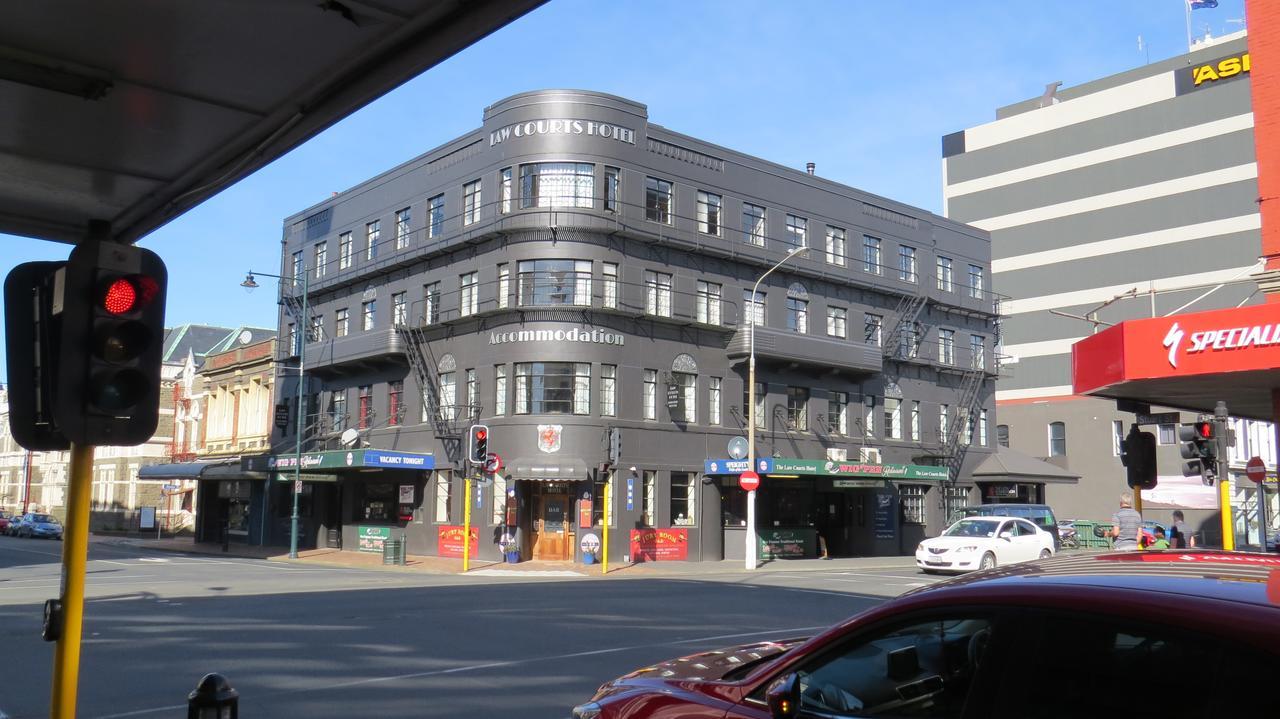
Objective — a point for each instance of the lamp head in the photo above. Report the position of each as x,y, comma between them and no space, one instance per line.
249,283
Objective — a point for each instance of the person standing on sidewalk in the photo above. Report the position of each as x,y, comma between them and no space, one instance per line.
1125,524
1179,537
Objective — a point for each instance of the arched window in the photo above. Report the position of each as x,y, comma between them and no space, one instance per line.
1057,439
684,375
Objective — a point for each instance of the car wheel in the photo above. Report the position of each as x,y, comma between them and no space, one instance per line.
1045,554
929,571
988,561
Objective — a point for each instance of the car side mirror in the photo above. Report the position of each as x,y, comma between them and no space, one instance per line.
1007,536
783,697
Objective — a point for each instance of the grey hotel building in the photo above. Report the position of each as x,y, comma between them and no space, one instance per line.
580,281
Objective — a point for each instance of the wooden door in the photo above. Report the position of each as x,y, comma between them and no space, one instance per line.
551,527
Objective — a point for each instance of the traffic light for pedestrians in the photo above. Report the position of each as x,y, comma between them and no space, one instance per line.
1138,455
1200,448
478,444
110,299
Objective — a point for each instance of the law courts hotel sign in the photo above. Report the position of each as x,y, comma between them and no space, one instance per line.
564,126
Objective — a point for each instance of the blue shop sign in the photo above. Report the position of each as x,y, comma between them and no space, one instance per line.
764,465
402,460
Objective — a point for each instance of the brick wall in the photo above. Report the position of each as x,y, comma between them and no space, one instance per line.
1264,53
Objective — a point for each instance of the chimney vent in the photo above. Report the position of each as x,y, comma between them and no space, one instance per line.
810,167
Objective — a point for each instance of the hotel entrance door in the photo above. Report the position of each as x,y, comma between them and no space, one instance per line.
552,533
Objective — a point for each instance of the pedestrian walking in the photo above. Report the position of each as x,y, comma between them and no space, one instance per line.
1179,537
1125,524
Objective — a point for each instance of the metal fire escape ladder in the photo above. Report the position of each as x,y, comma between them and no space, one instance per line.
969,408
448,429
907,313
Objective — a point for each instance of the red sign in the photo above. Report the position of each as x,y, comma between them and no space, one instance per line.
493,464
584,513
451,542
749,481
1256,470
654,545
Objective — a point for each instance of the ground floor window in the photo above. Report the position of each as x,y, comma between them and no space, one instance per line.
954,499
378,502
444,497
913,502
684,497
650,497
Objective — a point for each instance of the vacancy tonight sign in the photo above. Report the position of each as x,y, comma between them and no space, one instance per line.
1243,339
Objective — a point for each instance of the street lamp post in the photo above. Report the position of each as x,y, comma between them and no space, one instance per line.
250,284
751,399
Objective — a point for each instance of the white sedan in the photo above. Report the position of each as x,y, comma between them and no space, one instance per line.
983,543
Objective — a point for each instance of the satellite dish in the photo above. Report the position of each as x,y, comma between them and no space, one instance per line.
738,447
245,336
349,437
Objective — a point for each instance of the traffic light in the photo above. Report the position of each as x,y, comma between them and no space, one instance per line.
32,336
111,301
1138,455
615,445
1200,447
478,444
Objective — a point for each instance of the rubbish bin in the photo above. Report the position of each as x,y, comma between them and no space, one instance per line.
393,551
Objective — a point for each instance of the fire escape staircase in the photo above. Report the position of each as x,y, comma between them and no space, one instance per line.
450,423
907,314
969,407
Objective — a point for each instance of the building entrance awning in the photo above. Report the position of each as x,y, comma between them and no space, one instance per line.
1186,361
179,470
550,470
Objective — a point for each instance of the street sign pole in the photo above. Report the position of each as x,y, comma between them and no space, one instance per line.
1256,470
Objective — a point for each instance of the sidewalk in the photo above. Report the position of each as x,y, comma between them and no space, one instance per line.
443,565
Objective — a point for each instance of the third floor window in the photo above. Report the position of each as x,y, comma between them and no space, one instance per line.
975,282
321,258
657,293
835,246
372,235
871,254
344,250
944,274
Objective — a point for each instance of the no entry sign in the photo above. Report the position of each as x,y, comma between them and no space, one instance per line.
1256,470
749,480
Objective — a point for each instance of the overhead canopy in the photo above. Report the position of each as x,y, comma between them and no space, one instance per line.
180,470
1009,465
134,111
561,469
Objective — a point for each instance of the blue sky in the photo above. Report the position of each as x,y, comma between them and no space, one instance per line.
864,89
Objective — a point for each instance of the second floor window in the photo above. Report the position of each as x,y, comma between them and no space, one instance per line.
609,286
372,236
797,231
798,408
344,250
471,203
370,312
977,352
504,285
709,213
365,410
713,400
872,326
317,329
649,396
395,402
402,229
657,200
797,315
947,346
342,323
553,388
708,310
892,418
338,410
871,254
835,246
431,303
557,184
753,224
657,293
837,319
554,282
687,386
468,302
906,263
753,307
399,310
1057,439
499,390
608,390
838,413
944,274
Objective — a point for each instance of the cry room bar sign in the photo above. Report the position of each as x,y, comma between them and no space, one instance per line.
654,545
451,542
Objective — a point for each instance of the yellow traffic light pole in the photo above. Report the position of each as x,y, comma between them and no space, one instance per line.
604,524
75,551
1224,509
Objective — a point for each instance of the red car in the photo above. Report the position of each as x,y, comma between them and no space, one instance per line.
5,519
1133,634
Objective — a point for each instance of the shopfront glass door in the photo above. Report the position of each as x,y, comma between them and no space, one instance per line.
551,527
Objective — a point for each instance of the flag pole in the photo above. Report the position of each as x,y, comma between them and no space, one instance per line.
1186,6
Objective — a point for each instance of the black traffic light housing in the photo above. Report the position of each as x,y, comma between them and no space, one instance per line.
111,302
478,444
1200,447
32,338
1138,455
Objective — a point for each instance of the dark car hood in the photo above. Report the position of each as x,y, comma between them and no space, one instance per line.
714,665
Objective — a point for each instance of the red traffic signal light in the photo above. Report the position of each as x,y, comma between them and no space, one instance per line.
1204,430
478,444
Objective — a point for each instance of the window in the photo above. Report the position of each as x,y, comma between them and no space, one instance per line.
754,307
684,493
342,323
1057,439
553,282
473,393
798,408
687,387
869,415
316,334
912,497
839,682
947,346
975,282
838,413
402,229
892,418
338,410
797,315
321,251
399,309
837,319
499,390
609,289
944,423
372,233
344,250
294,348
499,516
1166,433
871,254
1002,435
370,312
557,184
553,388
504,190
431,302
753,224
650,497
872,326
708,310
909,340
713,400
982,427
977,352
954,498
797,231
504,285
835,246
444,496
611,184
365,408
708,213
657,200
649,401
915,421
297,269
471,203
395,402
657,293
906,263
448,397
468,302
944,274
435,216
608,390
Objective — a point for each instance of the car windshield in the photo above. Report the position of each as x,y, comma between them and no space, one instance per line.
46,518
972,528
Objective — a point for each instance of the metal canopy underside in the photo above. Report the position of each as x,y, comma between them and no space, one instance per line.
1247,394
134,111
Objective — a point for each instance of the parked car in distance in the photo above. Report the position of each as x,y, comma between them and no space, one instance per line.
1069,637
36,524
5,519
983,543
1040,514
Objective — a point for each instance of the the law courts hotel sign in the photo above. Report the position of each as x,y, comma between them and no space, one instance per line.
589,128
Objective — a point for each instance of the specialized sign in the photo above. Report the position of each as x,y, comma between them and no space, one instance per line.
563,126
631,493
1211,73
306,477
358,458
673,397
493,464
787,543
582,335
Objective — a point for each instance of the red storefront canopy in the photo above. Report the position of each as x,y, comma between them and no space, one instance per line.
1187,361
